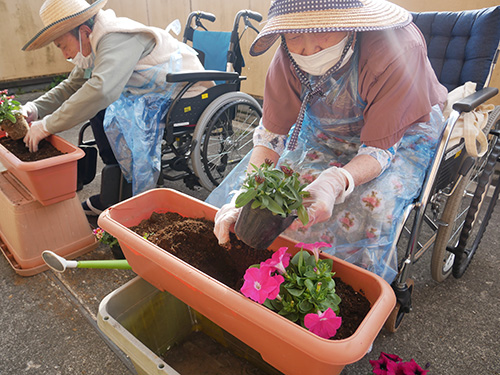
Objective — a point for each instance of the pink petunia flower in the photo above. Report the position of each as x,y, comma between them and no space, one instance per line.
323,324
279,261
314,247
259,285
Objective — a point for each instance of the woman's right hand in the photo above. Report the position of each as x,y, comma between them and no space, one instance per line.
224,220
30,112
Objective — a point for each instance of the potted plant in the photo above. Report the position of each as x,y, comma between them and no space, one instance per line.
282,343
107,239
11,119
271,199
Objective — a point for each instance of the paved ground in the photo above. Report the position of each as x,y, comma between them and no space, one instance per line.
47,321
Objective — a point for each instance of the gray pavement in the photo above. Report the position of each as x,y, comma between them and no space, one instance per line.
48,321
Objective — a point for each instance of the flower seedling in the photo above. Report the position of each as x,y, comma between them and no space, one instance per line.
9,107
301,288
278,190
105,237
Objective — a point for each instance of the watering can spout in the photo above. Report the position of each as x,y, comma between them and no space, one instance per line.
59,264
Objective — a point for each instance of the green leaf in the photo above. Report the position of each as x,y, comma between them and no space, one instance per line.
295,292
302,214
305,307
245,198
274,207
11,117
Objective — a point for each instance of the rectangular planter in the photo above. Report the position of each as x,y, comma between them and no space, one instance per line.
50,180
284,345
145,323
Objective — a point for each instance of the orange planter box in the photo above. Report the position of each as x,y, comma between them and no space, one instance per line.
283,344
50,180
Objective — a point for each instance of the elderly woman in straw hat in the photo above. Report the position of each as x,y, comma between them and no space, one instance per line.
120,65
351,102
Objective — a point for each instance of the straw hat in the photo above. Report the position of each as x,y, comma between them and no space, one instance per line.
295,16
61,16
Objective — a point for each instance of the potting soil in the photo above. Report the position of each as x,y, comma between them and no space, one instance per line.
193,241
18,148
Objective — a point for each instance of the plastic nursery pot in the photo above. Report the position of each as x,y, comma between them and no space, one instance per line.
258,228
16,130
49,180
283,344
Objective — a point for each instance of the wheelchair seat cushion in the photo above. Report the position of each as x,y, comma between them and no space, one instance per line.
461,45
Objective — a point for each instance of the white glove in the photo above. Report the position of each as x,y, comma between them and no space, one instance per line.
35,134
224,219
30,112
329,188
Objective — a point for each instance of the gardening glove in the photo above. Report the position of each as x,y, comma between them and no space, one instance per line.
329,188
30,112
35,134
224,219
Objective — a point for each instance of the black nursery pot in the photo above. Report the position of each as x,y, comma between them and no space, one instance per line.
117,252
258,228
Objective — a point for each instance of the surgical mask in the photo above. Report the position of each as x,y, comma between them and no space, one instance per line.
84,62
319,63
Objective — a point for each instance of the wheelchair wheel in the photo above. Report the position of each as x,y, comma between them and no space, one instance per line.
482,204
464,210
447,235
223,136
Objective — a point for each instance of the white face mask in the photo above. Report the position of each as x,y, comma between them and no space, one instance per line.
318,64
81,61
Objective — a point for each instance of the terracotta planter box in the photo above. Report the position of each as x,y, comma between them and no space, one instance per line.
50,180
284,345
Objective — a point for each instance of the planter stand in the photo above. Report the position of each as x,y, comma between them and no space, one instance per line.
27,227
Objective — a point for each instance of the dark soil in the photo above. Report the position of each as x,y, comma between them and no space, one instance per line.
18,148
193,241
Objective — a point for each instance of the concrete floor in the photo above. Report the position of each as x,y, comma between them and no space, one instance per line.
48,321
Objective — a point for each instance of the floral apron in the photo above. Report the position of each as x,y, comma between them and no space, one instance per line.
362,229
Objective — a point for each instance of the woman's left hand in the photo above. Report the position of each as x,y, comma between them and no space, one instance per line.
324,191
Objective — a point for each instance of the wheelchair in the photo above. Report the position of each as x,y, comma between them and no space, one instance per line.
205,136
460,192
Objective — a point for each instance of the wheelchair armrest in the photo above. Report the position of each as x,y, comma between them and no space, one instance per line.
470,102
205,75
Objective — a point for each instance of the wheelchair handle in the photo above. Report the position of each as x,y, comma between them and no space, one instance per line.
198,15
253,15
470,102
205,15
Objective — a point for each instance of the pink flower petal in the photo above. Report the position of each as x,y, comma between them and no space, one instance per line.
323,324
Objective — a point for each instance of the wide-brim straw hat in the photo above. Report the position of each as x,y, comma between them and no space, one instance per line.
61,16
308,16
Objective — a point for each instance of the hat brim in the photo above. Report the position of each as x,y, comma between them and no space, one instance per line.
56,29
374,15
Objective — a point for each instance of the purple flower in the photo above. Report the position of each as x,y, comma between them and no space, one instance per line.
259,285
314,247
323,324
279,261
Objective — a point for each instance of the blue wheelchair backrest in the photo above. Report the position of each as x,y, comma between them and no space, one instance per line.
462,46
214,45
